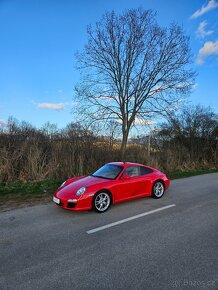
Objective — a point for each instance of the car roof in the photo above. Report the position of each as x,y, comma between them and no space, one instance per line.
127,164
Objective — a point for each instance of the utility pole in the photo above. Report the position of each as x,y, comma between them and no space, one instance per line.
149,147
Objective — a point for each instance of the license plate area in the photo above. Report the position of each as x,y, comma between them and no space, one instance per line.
56,200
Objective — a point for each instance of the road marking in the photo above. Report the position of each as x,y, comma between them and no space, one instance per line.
128,219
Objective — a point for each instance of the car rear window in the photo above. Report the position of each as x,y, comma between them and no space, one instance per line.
145,170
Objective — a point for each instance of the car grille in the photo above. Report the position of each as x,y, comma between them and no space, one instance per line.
71,204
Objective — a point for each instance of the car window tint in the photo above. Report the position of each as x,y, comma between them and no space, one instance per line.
132,171
145,170
109,171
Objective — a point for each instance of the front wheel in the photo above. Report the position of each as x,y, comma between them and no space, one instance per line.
158,189
101,202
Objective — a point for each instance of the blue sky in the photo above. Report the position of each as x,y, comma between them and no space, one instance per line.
38,40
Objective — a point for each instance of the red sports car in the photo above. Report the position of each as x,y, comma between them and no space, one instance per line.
114,182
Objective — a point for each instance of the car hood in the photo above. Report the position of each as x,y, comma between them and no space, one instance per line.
69,191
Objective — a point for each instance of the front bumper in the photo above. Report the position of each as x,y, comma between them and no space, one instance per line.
82,203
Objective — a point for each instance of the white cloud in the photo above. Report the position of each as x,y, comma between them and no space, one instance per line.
141,121
106,98
212,4
201,32
209,48
56,106
3,123
51,106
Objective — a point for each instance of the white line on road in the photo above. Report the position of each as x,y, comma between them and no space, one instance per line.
128,219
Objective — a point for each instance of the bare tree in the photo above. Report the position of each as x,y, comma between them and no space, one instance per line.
133,68
191,135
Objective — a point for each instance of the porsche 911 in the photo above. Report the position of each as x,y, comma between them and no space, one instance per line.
113,183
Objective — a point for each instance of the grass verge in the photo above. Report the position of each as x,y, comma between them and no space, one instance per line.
17,194
189,173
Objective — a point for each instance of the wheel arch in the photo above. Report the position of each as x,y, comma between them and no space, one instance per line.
104,190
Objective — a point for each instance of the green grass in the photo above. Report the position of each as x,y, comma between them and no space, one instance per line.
24,190
189,173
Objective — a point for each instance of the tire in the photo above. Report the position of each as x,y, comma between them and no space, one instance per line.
158,189
101,201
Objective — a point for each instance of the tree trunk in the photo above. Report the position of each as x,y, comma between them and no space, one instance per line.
123,144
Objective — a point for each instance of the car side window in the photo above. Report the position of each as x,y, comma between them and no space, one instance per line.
132,171
145,170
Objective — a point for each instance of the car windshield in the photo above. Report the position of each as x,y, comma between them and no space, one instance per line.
108,171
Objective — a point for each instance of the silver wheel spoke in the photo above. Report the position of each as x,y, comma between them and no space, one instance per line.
102,201
158,189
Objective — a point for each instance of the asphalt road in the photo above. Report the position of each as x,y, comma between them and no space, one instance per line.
45,247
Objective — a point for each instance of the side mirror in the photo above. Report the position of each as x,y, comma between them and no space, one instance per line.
125,177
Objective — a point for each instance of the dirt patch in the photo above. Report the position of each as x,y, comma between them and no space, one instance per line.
6,205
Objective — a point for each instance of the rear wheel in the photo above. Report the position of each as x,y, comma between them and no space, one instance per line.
101,202
158,189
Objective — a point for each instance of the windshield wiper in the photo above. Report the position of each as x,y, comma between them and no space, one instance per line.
99,176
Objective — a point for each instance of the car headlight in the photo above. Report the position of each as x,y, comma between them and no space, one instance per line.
81,191
62,184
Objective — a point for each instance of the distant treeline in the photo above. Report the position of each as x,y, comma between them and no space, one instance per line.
189,140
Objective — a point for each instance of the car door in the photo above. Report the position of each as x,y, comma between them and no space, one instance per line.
131,187
147,177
